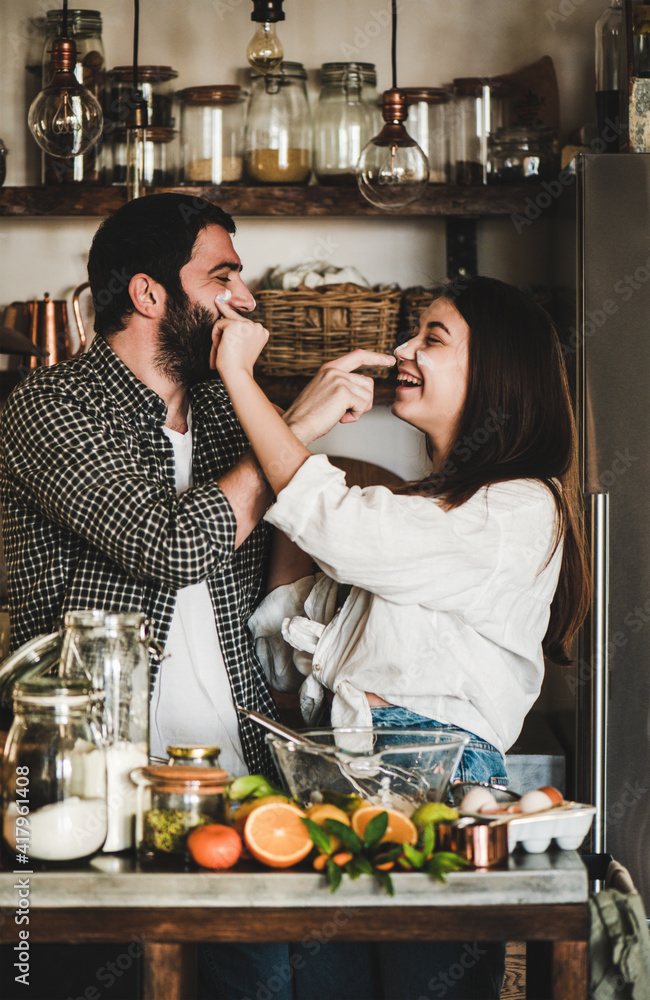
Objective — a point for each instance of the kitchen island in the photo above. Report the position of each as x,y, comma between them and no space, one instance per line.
540,898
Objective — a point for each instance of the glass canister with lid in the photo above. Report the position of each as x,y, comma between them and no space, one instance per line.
212,134
475,113
155,83
160,160
85,28
522,154
427,124
346,118
279,129
54,773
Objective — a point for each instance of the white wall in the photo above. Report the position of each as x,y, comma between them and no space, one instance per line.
205,40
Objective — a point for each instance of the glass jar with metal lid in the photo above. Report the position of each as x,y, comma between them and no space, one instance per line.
155,83
54,773
212,134
278,129
193,756
522,153
427,124
346,118
172,801
85,29
476,111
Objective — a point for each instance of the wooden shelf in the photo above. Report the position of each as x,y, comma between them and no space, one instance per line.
282,201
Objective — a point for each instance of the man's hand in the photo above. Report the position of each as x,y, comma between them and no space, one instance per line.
335,394
236,341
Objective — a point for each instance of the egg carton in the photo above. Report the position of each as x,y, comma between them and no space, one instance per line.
567,825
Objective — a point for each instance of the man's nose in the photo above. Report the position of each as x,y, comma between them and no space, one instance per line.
241,297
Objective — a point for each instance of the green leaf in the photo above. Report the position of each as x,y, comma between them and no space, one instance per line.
344,833
353,868
443,862
386,852
415,857
375,830
334,875
386,881
319,836
364,866
427,839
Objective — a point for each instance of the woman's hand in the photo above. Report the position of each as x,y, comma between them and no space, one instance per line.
236,341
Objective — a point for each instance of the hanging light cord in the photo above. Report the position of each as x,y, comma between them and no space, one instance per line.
393,47
136,32
65,18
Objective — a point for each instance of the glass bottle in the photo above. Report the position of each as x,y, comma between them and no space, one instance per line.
345,120
212,134
85,28
611,74
171,802
112,652
54,773
278,129
640,39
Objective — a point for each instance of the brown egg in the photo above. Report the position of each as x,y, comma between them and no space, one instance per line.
554,794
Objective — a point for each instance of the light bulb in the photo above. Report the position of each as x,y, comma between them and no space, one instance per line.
392,171
136,136
265,52
65,118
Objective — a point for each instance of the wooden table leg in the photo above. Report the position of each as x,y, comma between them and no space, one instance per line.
557,970
169,971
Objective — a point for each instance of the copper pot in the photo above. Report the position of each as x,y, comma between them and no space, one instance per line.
45,323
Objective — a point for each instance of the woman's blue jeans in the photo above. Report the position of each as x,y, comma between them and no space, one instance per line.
314,969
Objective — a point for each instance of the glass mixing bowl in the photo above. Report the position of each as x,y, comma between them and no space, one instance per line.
401,768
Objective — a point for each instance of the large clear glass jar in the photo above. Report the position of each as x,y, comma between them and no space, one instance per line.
85,28
278,129
212,134
155,83
520,154
112,651
346,118
54,774
427,124
160,160
476,111
172,801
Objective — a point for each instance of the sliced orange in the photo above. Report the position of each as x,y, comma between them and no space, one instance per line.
323,810
240,815
400,829
276,835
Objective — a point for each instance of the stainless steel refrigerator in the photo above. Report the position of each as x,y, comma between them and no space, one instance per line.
609,344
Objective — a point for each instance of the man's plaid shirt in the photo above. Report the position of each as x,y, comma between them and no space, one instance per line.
92,519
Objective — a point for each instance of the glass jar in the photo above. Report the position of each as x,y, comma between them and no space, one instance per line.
160,160
212,134
521,153
476,112
186,756
112,651
155,83
171,802
278,129
85,28
345,119
641,39
426,123
54,773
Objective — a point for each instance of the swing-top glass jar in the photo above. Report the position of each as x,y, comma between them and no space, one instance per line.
54,773
346,118
278,128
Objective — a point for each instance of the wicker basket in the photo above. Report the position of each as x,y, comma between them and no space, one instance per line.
414,301
309,326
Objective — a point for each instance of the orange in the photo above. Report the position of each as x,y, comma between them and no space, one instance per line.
215,846
241,814
276,836
400,829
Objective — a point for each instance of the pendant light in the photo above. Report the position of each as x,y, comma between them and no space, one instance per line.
392,171
65,118
136,123
265,52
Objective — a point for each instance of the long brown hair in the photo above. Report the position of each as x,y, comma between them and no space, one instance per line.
517,423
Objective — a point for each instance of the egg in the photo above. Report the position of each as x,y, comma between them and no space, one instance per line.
535,801
477,798
554,794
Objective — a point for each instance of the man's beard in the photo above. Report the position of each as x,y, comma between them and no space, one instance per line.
185,340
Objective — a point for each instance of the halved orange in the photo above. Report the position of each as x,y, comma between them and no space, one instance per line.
276,836
400,829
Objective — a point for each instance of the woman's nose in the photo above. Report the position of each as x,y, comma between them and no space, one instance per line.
405,351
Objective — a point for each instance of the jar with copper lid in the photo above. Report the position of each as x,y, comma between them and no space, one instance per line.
172,801
346,118
476,111
160,161
155,83
193,756
278,137
427,124
212,134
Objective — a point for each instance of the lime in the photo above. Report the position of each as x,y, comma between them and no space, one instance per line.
433,812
